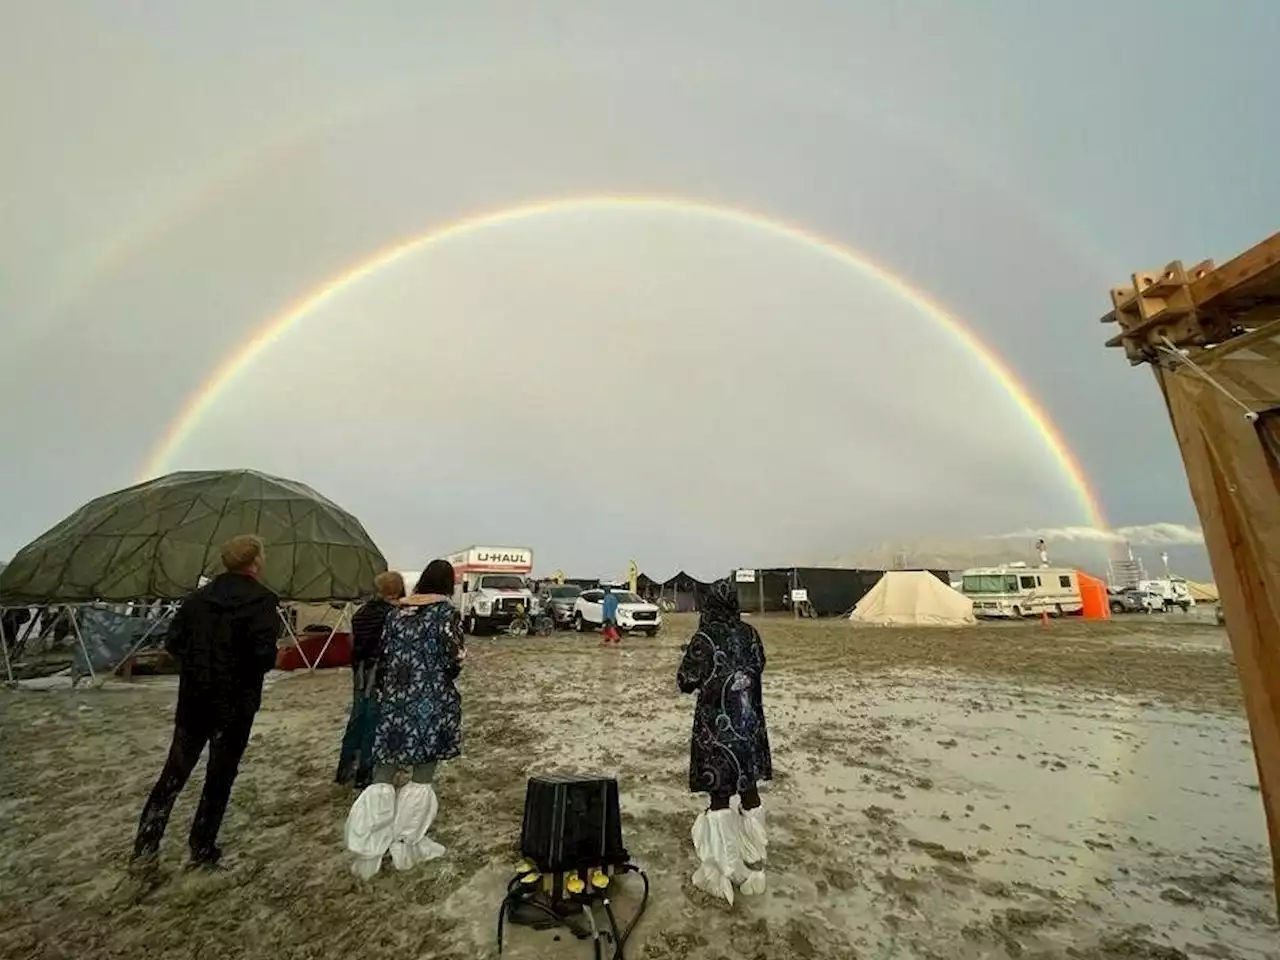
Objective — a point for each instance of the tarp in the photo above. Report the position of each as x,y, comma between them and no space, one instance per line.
156,539
109,636
913,598
1202,592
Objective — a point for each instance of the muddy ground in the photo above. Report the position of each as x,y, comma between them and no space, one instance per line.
1073,790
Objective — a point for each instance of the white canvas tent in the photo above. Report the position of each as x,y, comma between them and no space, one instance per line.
913,598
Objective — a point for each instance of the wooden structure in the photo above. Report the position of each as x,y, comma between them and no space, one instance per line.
1212,337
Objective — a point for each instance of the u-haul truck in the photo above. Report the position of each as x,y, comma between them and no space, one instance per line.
491,585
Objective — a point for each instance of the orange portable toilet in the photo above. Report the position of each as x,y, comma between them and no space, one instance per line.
1096,602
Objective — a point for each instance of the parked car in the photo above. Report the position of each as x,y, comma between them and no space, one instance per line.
557,601
634,614
1132,600
1220,616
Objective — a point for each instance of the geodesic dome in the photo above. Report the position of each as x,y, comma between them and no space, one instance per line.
157,539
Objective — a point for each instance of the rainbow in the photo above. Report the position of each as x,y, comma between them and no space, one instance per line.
206,395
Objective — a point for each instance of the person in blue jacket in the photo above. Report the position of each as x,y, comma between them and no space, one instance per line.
609,608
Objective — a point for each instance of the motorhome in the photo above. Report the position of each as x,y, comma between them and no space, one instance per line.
491,586
1016,590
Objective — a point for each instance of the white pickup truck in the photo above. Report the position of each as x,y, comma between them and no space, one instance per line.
1172,593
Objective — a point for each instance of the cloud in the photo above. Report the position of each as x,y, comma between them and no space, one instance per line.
1141,535
1087,547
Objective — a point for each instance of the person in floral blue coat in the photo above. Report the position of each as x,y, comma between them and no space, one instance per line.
419,725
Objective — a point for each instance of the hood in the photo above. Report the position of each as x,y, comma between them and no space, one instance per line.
423,599
642,605
231,591
720,602
505,591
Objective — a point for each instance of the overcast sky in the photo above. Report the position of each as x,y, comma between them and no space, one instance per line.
610,384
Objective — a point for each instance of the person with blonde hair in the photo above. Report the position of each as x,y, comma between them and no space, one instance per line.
355,761
224,640
418,725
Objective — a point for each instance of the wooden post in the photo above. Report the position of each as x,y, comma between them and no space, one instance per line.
1212,338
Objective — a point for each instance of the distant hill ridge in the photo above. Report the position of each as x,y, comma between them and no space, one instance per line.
1187,561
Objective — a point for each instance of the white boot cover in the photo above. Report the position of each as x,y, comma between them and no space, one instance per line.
370,828
416,809
716,837
755,837
755,851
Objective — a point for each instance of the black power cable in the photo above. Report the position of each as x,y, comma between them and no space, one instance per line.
518,897
644,902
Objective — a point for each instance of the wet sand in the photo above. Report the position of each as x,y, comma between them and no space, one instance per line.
1074,790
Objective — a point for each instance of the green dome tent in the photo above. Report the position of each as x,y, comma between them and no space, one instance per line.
157,539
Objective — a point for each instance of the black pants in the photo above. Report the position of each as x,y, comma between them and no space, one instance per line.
750,800
227,735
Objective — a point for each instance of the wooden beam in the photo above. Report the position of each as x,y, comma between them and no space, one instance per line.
1253,274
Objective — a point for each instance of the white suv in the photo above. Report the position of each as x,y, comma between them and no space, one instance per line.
634,615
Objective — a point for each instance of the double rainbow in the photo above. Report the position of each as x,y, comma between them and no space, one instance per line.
206,396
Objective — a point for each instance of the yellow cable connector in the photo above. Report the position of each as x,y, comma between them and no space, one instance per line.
573,883
599,879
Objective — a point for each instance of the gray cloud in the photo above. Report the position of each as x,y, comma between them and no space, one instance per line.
181,176
1140,535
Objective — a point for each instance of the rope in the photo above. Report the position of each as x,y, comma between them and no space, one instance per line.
1172,352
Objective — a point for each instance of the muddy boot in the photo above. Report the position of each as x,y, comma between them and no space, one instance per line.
370,828
416,809
716,840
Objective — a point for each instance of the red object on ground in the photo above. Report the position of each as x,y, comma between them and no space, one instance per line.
338,653
1094,597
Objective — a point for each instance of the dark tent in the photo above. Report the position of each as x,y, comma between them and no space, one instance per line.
682,590
157,539
833,591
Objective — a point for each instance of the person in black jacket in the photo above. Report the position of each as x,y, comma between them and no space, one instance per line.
224,640
355,761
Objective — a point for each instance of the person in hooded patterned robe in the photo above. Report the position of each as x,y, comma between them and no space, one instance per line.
418,725
729,749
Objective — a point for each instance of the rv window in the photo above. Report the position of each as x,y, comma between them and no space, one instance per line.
1028,583
987,583
1064,582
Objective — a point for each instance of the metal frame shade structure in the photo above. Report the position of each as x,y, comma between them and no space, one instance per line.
1211,335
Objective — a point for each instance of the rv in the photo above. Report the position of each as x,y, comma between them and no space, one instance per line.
1016,590
491,586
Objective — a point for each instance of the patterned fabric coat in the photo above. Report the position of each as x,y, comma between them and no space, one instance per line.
419,707
729,752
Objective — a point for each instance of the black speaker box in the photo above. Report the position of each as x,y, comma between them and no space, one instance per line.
571,823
